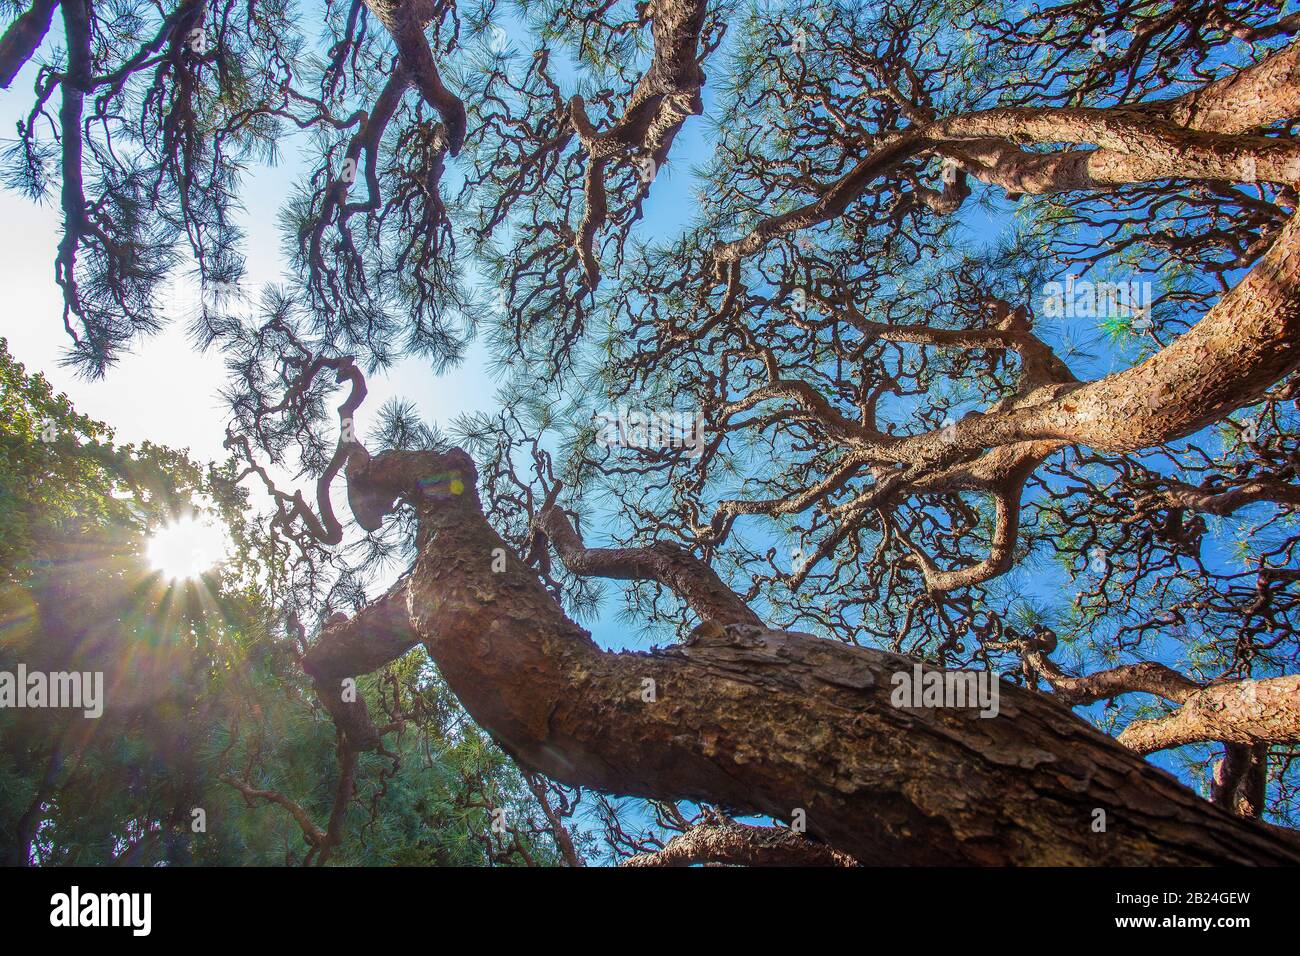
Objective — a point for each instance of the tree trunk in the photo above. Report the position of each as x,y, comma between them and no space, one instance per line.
769,722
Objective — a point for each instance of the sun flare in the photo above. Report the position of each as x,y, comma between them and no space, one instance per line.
188,547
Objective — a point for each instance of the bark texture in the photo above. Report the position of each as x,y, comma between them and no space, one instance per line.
737,844
771,722
405,21
1247,712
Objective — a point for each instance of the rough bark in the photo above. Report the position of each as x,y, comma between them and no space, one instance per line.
738,844
360,645
666,96
771,722
1239,780
1251,98
354,646
1221,502
1246,712
1243,346
405,21
1147,677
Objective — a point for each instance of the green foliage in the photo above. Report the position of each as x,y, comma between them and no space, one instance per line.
197,683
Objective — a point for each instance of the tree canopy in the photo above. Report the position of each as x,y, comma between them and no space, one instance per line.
850,336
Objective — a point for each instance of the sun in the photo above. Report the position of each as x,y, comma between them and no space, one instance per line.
188,547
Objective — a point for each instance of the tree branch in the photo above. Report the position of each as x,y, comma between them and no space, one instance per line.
1246,712
739,844
666,562
23,38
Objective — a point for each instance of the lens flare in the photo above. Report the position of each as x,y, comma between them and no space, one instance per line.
187,548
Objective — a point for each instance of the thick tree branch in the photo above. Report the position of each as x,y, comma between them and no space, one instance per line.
1245,712
1239,780
405,21
739,844
378,634
1221,501
664,98
23,37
